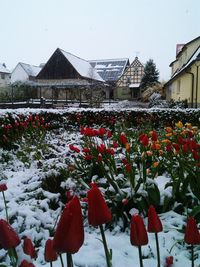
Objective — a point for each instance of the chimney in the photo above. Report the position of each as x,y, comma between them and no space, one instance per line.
179,48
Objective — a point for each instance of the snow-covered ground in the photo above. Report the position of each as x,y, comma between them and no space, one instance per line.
28,205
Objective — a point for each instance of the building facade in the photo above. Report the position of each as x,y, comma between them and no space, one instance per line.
4,76
128,85
184,84
24,72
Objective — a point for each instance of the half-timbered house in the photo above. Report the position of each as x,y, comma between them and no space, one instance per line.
128,85
110,71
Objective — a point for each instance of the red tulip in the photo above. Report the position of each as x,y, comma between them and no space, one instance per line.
25,263
86,150
176,146
3,187
193,145
195,155
99,158
125,161
123,139
169,261
185,148
29,248
192,235
109,134
98,211
125,201
101,148
110,151
69,235
181,140
49,252
144,140
85,200
74,148
138,235
88,157
154,223
154,136
168,147
128,167
101,131
115,144
8,237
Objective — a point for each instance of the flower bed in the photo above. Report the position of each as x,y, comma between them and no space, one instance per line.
13,123
134,168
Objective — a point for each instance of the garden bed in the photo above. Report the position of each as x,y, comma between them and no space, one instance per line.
44,158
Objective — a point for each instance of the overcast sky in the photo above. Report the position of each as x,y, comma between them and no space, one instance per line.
31,30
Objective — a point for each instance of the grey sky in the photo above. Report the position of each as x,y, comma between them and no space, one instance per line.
31,30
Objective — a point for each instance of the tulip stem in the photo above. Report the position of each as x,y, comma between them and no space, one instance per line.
140,255
192,254
6,208
157,249
108,257
144,172
13,256
61,260
69,260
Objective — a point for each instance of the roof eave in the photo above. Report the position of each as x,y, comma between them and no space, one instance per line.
181,71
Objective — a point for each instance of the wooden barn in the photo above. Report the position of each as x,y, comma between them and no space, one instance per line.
66,76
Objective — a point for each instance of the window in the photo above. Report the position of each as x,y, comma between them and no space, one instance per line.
135,71
3,76
128,80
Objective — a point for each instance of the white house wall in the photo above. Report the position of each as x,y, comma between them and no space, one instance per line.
4,79
19,75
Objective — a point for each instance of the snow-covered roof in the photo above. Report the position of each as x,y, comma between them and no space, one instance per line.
3,69
82,66
110,69
194,57
31,70
69,83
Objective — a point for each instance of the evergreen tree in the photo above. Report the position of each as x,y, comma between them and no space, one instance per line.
151,75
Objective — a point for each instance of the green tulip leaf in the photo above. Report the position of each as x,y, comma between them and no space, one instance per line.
195,211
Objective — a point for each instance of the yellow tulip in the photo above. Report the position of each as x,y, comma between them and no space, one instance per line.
166,141
168,134
188,125
179,124
155,164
